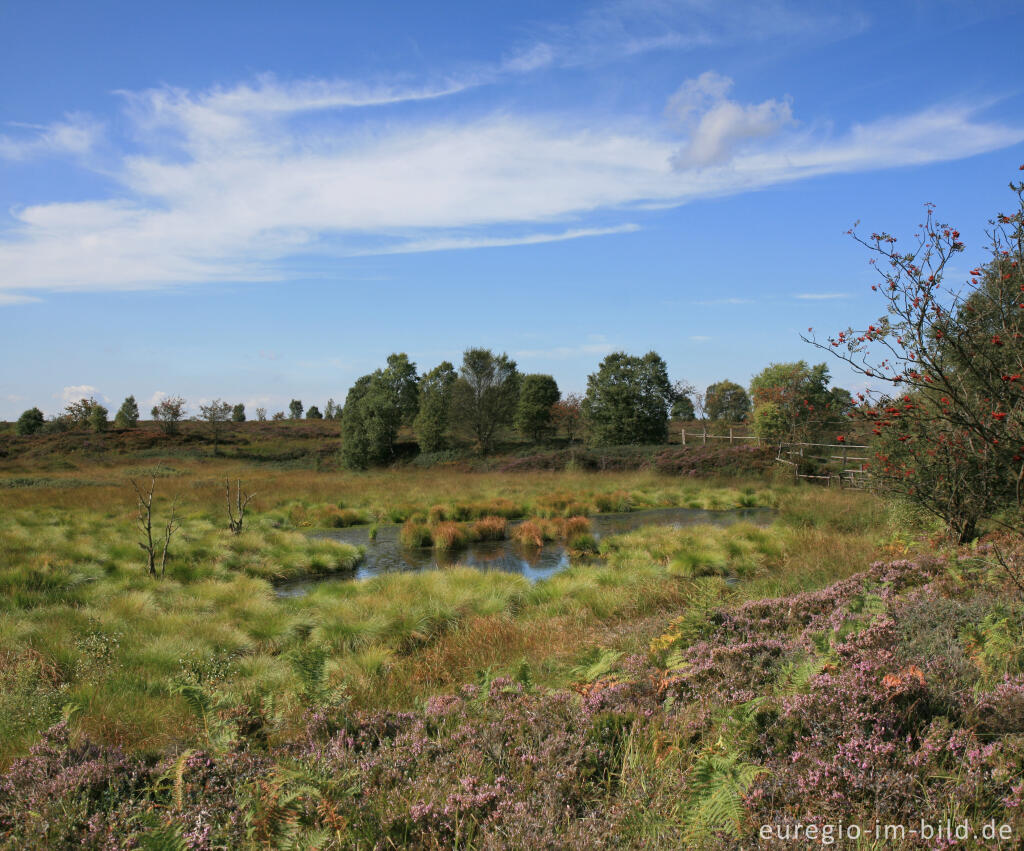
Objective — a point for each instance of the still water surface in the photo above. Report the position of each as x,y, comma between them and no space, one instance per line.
387,555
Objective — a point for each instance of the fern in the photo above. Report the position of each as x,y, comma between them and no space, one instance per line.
309,664
795,677
717,783
596,663
163,838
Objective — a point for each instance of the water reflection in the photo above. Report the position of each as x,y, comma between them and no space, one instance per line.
387,555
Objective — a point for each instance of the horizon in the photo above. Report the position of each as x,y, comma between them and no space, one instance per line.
259,205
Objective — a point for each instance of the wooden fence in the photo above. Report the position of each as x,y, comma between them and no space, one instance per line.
702,437
829,456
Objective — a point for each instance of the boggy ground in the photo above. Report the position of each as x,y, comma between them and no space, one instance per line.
684,689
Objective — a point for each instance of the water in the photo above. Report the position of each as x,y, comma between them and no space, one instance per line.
387,555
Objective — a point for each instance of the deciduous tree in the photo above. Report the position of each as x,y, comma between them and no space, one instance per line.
949,423
537,394
128,414
484,395
168,413
30,421
628,400
434,418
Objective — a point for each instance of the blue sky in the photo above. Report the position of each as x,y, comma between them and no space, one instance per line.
262,201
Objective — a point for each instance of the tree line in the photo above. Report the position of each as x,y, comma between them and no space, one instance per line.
629,400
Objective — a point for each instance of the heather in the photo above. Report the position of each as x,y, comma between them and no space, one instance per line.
672,687
890,693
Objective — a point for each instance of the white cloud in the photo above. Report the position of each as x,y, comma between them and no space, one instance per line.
699,338
16,298
77,134
75,392
462,243
718,126
228,186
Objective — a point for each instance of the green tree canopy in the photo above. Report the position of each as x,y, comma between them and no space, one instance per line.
128,414
295,409
485,394
805,406
537,394
238,413
628,399
682,408
726,400
434,418
375,408
314,413
30,421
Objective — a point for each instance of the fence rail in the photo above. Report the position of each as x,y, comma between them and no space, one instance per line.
845,476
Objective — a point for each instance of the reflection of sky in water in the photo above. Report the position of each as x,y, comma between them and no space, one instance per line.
387,555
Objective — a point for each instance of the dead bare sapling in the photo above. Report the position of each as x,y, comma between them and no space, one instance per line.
236,512
144,518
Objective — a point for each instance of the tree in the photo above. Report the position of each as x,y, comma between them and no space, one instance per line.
484,395
236,512
215,414
726,400
261,415
238,413
401,384
98,417
567,415
30,421
168,413
314,413
434,418
804,406
375,408
682,408
128,414
628,400
331,410
295,409
537,394
144,520
277,416
948,430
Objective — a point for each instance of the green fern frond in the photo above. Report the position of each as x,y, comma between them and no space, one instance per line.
717,783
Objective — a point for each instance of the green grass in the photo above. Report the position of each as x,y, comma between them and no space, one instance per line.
85,632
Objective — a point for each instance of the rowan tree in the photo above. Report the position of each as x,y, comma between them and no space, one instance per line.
949,426
567,415
168,413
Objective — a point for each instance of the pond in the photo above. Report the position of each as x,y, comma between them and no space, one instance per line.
387,554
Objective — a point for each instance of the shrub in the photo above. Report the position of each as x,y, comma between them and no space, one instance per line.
30,421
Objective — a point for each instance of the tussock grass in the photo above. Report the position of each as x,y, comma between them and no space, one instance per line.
81,625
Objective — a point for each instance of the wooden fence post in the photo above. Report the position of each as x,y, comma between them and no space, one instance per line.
730,435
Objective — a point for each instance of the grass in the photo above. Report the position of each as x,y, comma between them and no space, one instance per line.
86,632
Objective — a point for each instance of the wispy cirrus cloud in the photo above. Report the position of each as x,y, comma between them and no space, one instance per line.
241,183
77,134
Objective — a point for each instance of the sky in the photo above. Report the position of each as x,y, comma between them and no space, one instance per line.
261,201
